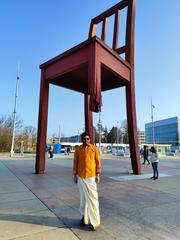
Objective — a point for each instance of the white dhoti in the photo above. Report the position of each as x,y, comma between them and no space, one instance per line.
89,204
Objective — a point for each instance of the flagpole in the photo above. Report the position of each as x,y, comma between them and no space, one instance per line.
14,114
59,134
152,119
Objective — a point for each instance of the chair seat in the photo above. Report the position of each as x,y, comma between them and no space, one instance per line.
70,69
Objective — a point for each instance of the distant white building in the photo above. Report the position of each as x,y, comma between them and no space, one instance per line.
141,137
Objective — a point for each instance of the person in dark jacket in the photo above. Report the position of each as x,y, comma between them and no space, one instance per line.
146,154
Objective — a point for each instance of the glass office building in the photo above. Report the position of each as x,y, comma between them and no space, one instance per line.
166,131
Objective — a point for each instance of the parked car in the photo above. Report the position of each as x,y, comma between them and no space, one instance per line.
170,153
120,153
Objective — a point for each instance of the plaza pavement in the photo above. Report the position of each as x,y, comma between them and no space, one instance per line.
45,207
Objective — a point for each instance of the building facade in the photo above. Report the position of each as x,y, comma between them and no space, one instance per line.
141,137
166,131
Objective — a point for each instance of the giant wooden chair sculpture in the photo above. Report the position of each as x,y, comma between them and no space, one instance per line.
89,68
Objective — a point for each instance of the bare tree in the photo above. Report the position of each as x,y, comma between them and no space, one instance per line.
6,132
29,138
124,132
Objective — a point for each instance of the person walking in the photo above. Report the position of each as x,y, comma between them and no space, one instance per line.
146,154
68,150
154,162
86,170
51,151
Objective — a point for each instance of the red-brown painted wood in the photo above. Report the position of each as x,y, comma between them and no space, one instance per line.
90,68
132,127
104,27
42,125
116,30
130,90
88,117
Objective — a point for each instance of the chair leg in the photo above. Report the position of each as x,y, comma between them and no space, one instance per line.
42,126
132,128
88,117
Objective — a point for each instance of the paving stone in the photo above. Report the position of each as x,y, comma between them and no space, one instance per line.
16,196
133,209
22,207
57,234
12,226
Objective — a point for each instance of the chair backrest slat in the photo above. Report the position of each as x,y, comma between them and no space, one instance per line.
116,30
104,27
128,48
110,11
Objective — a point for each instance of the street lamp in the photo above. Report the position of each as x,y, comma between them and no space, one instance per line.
117,133
78,137
14,114
59,134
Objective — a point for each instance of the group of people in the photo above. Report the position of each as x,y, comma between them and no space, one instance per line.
153,158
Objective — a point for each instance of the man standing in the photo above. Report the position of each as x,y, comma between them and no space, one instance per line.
86,170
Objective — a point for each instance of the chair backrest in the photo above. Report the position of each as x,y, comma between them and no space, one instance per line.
128,47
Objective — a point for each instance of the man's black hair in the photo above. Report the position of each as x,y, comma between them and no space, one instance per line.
84,134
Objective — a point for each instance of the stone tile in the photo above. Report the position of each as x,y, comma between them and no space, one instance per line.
68,215
165,216
127,228
12,187
137,177
16,196
175,191
136,209
22,207
176,231
85,233
16,227
55,234
44,218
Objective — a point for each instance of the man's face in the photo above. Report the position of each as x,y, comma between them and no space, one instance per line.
86,140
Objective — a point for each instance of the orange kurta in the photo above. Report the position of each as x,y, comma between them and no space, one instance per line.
86,161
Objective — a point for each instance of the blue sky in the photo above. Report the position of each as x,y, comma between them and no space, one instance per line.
34,31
